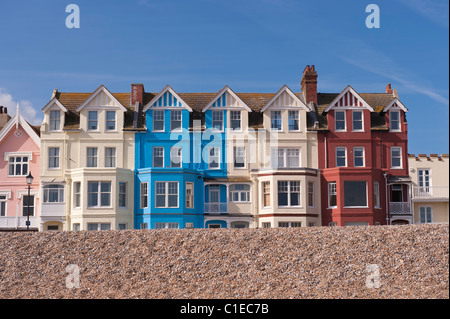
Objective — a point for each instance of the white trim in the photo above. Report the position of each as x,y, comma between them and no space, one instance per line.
336,157
401,157
6,193
223,91
285,88
101,88
395,104
15,121
22,154
399,120
166,194
345,121
352,91
362,121
53,102
164,90
363,156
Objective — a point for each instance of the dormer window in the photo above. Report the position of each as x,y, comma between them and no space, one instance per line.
394,120
110,120
92,120
55,120
339,120
357,119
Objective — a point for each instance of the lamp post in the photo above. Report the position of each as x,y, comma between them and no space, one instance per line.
29,182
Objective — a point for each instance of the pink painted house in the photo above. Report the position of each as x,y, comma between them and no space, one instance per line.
19,155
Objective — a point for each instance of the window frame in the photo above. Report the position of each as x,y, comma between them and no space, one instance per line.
361,120
217,120
425,217
53,158
265,186
189,200
122,195
400,156
289,193
243,154
143,195
363,156
92,159
174,118
32,207
239,193
276,123
53,119
155,148
218,155
21,163
332,191
336,112
376,195
89,121
59,190
112,158
278,153
100,194
77,194
107,121
234,120
398,121
296,120
180,156
340,148
366,191
158,119
166,194
311,199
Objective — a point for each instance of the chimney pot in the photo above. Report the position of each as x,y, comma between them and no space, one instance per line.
309,84
389,89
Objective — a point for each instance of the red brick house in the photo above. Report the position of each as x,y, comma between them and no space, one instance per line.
362,155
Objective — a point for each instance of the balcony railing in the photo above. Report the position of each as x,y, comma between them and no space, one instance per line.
17,222
430,192
399,208
216,208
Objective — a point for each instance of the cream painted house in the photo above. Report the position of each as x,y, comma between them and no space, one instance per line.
287,176
430,190
87,143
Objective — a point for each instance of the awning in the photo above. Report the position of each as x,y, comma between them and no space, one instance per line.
399,180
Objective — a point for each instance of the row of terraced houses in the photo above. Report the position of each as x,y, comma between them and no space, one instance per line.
139,160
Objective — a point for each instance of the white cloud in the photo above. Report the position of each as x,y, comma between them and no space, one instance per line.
26,108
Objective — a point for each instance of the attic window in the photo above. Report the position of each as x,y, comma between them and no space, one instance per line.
55,120
394,120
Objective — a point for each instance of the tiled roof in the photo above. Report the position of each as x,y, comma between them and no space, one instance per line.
197,101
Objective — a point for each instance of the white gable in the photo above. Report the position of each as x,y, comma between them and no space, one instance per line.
226,99
348,99
167,98
14,122
54,102
395,104
285,99
101,97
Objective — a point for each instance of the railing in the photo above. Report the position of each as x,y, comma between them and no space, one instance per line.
17,222
430,192
216,208
399,208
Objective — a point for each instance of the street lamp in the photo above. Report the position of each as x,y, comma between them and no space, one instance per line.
29,182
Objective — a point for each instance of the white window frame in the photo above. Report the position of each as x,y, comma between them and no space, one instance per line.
170,225
99,193
273,115
108,121
77,194
399,148
217,116
265,186
122,194
110,158
289,224
175,117
332,191
216,155
236,116
143,195
157,148
93,157
15,163
353,121
59,190
174,150
336,120
425,217
54,121
3,205
359,148
239,193
158,118
53,158
289,191
398,121
285,156
100,226
340,148
296,119
166,194
189,195
239,152
89,121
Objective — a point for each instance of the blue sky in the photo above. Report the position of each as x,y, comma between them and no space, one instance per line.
252,46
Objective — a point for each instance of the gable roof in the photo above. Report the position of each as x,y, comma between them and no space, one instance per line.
167,97
348,98
395,104
101,91
17,120
226,98
54,101
285,98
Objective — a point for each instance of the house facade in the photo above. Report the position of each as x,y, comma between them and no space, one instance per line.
19,156
87,171
430,188
362,156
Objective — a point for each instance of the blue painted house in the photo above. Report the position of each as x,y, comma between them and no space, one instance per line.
169,185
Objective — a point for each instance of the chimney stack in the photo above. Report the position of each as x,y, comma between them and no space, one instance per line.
309,84
389,89
137,93
4,117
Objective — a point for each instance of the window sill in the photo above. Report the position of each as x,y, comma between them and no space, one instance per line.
356,207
